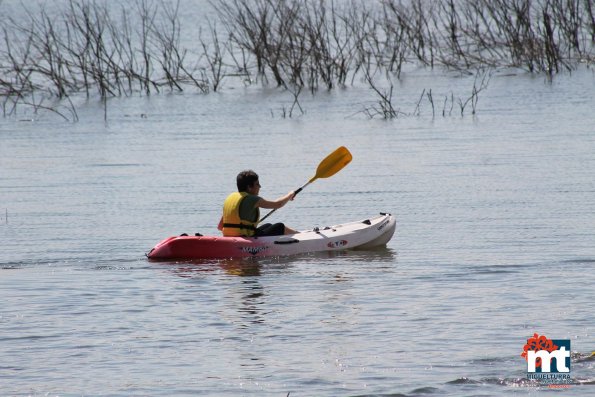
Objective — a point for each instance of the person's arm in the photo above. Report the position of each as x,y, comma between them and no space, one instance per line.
275,204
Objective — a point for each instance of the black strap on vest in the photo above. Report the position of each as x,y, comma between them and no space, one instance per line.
239,226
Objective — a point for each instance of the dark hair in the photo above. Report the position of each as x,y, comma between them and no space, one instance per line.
245,179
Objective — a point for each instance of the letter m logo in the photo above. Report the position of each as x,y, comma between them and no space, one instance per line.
547,356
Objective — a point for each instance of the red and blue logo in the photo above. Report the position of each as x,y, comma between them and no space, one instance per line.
548,360
337,244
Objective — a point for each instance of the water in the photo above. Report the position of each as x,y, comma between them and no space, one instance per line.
494,241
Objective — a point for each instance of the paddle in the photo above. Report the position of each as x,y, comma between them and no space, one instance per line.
328,167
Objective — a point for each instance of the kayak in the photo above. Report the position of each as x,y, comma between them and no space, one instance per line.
363,234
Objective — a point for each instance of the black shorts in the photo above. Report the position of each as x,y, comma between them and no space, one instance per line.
268,229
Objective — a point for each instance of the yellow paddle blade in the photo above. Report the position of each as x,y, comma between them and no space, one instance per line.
332,164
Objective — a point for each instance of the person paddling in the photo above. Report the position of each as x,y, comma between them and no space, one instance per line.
241,210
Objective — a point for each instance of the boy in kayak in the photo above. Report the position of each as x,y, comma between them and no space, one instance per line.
241,210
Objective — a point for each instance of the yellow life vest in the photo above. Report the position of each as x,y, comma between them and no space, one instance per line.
233,225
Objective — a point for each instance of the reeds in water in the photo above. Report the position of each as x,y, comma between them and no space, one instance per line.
296,44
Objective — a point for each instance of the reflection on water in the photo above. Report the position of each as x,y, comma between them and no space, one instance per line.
244,303
254,267
241,268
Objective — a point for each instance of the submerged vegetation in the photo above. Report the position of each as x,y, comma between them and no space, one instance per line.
90,49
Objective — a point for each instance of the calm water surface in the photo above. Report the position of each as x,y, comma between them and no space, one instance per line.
495,241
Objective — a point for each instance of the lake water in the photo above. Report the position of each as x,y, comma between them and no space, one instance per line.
495,241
